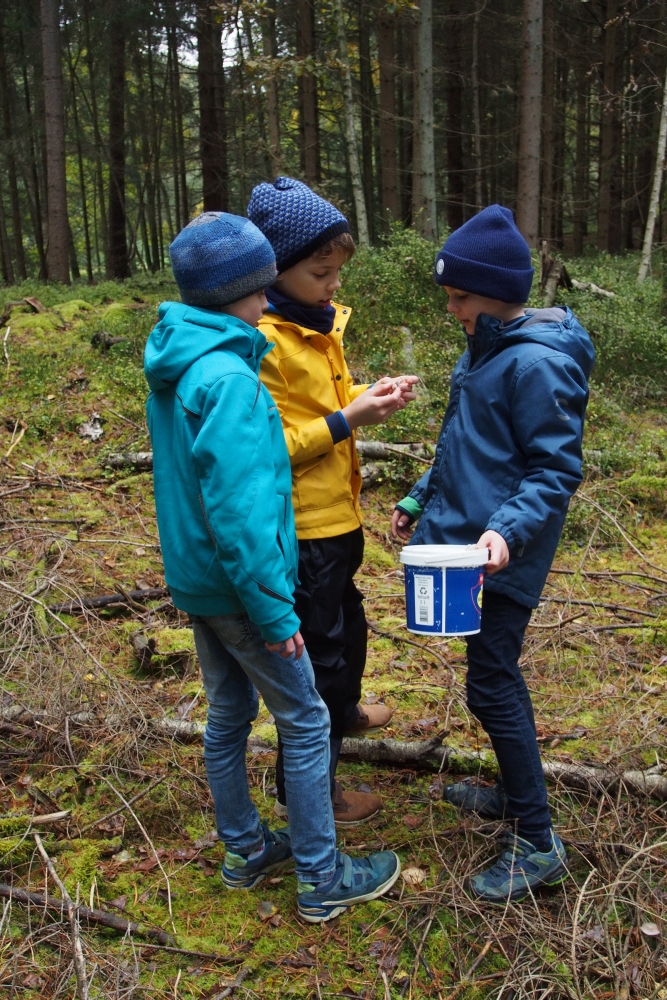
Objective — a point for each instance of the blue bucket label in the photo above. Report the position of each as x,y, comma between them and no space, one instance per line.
443,601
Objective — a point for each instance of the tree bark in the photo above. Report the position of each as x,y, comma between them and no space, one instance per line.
476,117
454,91
350,128
34,169
391,209
530,113
610,203
367,102
548,124
79,155
424,199
119,264
99,145
306,50
11,161
654,203
581,168
57,249
5,252
212,119
270,49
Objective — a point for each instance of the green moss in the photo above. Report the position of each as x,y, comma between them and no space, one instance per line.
73,309
46,322
376,556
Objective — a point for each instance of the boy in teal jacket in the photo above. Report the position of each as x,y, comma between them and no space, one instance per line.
223,498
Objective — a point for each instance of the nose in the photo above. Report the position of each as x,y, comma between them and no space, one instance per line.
334,284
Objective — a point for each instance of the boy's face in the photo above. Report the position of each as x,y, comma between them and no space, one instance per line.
313,282
250,309
466,307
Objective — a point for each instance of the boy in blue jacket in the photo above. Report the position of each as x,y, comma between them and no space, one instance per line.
223,498
506,464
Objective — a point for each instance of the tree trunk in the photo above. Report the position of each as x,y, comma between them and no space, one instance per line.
119,264
56,180
548,125
367,100
34,169
476,118
173,133
391,209
530,113
79,155
610,204
350,128
581,168
454,91
424,200
306,50
5,253
655,191
270,49
212,123
406,115
99,145
11,161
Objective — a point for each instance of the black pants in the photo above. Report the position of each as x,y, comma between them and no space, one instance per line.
333,625
499,698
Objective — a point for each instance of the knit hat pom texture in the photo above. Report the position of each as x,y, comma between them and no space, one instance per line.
487,256
295,220
220,258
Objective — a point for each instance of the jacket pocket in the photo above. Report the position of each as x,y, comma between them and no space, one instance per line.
324,482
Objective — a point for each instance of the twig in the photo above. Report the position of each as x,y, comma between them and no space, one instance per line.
150,843
90,915
192,954
126,419
240,976
558,624
120,809
24,428
77,950
44,585
106,600
4,345
621,530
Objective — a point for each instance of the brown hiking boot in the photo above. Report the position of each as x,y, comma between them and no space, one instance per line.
371,719
354,808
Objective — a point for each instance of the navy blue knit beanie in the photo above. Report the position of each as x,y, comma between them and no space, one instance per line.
219,258
487,256
294,219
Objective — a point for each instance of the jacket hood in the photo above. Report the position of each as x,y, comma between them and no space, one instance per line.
557,328
185,333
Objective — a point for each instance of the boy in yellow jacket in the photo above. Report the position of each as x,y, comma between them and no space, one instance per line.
320,409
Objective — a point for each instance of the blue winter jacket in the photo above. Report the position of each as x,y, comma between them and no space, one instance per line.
509,453
222,476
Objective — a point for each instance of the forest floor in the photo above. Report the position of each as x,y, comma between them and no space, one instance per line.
80,714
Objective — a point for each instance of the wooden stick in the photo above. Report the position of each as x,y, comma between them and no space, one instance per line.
104,600
72,915
119,924
192,954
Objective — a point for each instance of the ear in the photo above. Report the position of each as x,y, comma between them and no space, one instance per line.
279,277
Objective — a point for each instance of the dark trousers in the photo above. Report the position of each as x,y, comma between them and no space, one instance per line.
499,698
333,625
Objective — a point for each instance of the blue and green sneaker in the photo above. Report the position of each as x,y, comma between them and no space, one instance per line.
356,880
488,801
239,872
519,870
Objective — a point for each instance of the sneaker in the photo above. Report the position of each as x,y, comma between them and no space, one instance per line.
239,872
349,808
370,719
519,870
354,808
488,801
356,880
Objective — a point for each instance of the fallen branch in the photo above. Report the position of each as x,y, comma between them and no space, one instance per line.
119,924
107,600
588,286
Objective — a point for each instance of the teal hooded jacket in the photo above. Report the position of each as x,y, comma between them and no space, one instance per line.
221,472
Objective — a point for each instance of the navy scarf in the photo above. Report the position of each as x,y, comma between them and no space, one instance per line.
312,317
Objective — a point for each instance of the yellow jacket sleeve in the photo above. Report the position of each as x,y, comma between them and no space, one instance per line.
356,390
307,441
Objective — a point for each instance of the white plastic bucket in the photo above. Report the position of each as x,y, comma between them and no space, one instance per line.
443,588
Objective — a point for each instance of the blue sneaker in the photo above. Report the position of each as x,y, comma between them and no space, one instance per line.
488,801
519,870
244,873
356,880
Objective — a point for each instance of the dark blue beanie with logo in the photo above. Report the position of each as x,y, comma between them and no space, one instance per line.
294,219
220,258
487,256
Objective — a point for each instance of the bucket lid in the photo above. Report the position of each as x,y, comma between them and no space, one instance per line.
444,555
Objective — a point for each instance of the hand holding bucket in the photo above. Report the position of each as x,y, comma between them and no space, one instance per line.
443,588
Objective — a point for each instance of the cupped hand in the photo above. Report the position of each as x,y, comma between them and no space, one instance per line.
499,554
294,646
401,525
375,404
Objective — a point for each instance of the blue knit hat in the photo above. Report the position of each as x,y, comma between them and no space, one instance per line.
487,256
219,258
295,220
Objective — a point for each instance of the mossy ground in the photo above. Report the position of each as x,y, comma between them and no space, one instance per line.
73,528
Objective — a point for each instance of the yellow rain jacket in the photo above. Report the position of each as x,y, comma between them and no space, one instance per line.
308,378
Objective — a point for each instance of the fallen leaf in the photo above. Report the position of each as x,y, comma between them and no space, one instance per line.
140,551
412,821
118,904
145,896
275,881
122,857
207,867
650,929
50,396
414,876
276,920
266,910
33,982
594,934
164,895
371,698
208,840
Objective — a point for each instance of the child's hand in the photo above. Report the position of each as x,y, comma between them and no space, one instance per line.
497,546
292,646
406,384
375,404
401,525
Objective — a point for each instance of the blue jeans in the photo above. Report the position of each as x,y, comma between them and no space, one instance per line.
498,696
235,665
